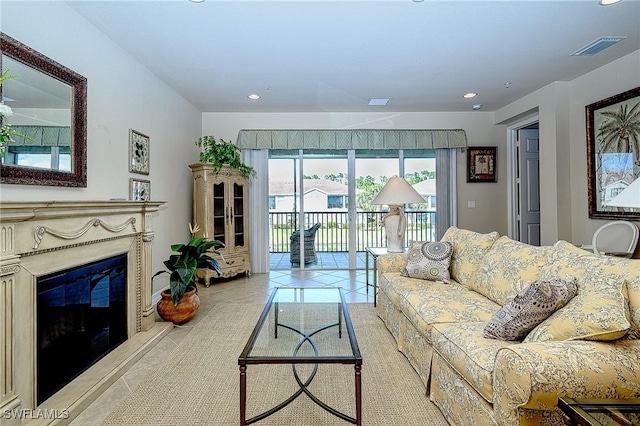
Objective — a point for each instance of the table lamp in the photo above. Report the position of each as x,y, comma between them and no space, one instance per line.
396,193
629,197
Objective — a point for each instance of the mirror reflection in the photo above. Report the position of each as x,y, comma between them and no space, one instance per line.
41,118
48,104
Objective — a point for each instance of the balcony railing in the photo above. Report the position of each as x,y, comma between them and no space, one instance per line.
333,234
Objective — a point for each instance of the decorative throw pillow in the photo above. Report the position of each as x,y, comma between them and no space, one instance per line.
529,308
428,261
600,311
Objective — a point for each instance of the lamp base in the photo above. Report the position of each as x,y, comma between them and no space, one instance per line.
395,227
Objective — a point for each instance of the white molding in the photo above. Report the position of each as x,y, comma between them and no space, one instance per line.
155,297
512,159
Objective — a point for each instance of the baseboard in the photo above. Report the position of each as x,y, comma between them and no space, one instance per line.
155,297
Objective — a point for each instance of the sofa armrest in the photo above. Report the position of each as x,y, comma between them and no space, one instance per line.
392,262
534,375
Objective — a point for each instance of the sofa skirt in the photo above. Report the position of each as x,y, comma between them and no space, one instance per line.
457,400
411,343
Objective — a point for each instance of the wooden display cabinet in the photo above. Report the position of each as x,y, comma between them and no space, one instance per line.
221,208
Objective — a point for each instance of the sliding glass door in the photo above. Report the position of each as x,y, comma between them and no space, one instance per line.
329,194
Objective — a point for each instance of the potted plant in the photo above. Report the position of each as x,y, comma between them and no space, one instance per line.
180,301
219,152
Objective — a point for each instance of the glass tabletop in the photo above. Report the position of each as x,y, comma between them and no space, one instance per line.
608,412
303,325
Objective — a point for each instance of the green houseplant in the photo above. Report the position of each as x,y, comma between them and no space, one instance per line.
219,152
180,302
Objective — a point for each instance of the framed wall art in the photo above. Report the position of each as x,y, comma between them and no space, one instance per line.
139,190
613,156
481,164
138,152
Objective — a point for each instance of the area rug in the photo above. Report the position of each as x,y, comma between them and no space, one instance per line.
198,383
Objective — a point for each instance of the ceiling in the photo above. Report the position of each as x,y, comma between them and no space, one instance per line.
334,55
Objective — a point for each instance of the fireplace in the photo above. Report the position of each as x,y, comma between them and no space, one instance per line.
75,301
81,317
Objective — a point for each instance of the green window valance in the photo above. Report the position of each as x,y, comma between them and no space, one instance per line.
41,136
352,139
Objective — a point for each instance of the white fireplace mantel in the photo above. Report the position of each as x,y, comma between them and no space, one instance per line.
38,238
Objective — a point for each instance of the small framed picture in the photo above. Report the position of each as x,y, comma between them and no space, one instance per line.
138,152
481,164
139,190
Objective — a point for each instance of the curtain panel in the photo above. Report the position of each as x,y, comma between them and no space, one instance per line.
352,139
259,208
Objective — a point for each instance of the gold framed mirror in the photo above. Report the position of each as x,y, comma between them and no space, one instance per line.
49,103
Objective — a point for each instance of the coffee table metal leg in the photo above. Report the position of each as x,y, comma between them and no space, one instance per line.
243,395
358,395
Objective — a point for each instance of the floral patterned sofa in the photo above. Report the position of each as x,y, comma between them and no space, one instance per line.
590,348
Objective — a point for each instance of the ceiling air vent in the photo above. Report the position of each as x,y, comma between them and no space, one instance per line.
597,46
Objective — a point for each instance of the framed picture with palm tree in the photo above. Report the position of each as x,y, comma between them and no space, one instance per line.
613,153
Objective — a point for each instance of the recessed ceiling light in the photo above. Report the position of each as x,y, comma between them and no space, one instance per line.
378,101
469,95
607,2
253,96
196,1
476,107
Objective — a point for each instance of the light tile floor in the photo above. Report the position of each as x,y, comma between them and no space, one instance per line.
326,260
254,289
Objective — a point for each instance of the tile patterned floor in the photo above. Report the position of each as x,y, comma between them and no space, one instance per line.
255,289
326,260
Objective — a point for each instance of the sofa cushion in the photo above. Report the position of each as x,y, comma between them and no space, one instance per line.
428,260
600,310
394,285
469,248
529,308
463,346
508,267
437,302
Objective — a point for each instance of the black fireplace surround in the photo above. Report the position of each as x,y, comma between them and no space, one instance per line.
81,317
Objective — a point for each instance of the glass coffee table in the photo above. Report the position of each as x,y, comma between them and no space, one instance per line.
597,412
303,326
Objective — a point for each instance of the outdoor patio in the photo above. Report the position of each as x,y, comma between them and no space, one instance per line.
326,260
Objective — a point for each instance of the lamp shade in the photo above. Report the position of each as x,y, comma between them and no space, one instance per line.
629,197
397,191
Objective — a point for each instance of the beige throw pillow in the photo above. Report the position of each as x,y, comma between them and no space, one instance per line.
529,308
428,261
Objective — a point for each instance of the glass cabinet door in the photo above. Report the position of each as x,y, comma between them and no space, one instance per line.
238,210
219,213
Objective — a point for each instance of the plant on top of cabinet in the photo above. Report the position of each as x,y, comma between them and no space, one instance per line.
219,152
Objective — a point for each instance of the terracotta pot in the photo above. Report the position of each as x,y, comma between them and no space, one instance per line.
183,311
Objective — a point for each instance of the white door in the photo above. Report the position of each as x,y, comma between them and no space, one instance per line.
528,185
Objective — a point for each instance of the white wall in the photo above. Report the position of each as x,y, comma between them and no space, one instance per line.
563,144
121,95
491,204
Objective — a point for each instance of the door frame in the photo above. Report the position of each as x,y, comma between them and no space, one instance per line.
512,159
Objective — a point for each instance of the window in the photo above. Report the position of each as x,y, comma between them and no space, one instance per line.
336,201
272,202
55,158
